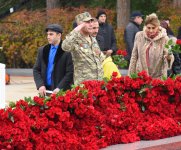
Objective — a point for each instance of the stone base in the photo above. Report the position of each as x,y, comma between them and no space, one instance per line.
172,143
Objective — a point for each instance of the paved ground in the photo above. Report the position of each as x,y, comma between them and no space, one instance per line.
20,87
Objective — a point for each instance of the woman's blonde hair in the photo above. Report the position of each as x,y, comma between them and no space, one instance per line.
152,19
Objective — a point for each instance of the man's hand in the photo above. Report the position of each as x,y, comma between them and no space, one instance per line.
109,52
42,91
56,90
80,26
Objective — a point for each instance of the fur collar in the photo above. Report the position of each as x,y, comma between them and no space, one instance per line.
46,51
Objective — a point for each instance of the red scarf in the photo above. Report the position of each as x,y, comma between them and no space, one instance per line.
147,54
151,36
149,46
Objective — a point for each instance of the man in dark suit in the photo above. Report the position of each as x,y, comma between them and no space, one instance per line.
107,32
53,69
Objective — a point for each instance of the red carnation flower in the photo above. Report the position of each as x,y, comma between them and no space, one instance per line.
114,74
121,52
178,42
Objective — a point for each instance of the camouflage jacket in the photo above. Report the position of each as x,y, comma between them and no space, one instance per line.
87,58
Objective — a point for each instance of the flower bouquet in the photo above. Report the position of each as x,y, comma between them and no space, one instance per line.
119,59
173,47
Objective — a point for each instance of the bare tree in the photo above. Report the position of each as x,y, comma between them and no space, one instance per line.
50,4
123,13
177,3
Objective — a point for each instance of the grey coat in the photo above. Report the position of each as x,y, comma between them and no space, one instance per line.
129,36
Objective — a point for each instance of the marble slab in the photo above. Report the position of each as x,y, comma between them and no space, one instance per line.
172,143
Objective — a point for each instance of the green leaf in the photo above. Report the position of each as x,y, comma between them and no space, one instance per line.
134,75
81,85
73,86
122,106
12,104
105,79
47,98
142,91
22,107
61,92
177,49
84,92
166,46
174,76
143,108
164,78
170,42
29,101
10,116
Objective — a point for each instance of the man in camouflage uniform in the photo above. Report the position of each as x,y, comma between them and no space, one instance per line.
86,54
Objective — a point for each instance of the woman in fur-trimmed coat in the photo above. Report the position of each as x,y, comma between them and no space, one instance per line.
149,53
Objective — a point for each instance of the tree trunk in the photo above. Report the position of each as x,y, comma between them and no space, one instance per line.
123,13
177,3
51,4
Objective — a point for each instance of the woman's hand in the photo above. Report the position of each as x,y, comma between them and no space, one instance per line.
168,57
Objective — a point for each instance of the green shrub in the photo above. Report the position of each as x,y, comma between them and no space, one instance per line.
21,40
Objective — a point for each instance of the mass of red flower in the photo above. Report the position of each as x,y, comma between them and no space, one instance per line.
94,115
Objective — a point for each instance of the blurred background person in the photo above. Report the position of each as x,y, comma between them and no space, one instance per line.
179,33
130,31
107,32
179,37
74,24
176,67
169,30
95,30
108,65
